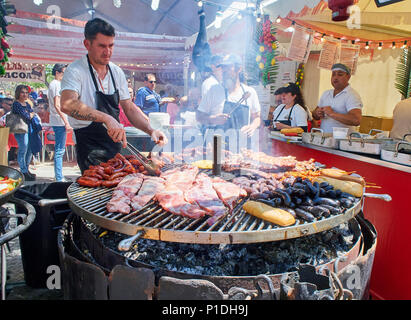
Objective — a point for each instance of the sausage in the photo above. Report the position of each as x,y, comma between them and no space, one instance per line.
89,171
109,169
130,157
346,203
347,195
111,183
89,182
117,175
129,169
284,195
304,215
94,175
135,162
310,187
104,164
119,168
326,201
316,211
332,209
308,201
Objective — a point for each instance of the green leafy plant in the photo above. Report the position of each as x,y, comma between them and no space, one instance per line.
268,52
403,74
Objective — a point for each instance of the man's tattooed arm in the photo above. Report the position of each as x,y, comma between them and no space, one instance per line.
87,117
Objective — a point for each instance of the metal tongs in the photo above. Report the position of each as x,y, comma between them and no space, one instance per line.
245,96
152,168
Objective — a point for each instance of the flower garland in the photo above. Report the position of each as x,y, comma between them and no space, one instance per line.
5,50
268,52
299,77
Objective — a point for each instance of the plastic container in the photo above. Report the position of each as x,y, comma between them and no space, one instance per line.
340,133
158,119
38,243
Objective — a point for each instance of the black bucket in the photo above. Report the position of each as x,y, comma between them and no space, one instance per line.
38,243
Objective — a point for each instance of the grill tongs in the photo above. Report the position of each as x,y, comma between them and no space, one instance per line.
152,168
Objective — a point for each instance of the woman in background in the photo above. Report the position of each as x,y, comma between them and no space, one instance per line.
292,113
22,108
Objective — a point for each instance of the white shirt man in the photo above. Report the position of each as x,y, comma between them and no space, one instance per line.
212,105
77,78
402,120
341,106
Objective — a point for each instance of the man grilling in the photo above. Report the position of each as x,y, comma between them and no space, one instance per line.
91,90
235,107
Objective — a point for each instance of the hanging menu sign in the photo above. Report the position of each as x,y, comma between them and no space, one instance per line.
349,54
22,72
329,53
300,45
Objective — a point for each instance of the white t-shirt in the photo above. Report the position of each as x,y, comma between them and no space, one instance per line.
215,98
54,91
77,77
212,96
343,102
298,116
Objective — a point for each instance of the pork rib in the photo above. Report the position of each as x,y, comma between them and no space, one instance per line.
148,190
123,193
182,177
171,198
203,194
228,192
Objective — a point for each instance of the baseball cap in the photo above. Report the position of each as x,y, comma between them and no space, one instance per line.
231,59
216,59
341,67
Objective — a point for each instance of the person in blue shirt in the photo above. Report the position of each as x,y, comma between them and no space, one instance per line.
146,98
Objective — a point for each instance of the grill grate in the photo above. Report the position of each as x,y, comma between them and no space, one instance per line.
158,224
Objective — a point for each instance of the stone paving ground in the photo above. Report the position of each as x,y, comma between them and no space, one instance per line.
16,289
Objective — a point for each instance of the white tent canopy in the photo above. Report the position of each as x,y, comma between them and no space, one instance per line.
34,41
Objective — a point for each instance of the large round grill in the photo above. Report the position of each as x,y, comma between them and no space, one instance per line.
158,224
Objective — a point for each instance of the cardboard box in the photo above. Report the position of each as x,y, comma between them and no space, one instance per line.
380,123
4,141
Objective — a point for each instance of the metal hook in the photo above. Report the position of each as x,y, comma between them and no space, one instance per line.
244,294
268,281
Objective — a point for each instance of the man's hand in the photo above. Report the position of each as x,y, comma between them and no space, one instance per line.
328,111
115,130
318,113
219,118
159,137
248,129
68,126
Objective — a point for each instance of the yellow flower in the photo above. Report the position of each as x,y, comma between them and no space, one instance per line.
274,46
258,59
261,65
273,62
261,48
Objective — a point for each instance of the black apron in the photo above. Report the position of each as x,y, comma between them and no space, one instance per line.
239,113
239,118
286,122
93,144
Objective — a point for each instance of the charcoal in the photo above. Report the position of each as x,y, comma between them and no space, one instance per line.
237,259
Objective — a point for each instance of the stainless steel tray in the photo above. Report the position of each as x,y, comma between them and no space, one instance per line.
362,144
319,138
391,153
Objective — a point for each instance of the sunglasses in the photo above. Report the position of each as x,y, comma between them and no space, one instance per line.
154,81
